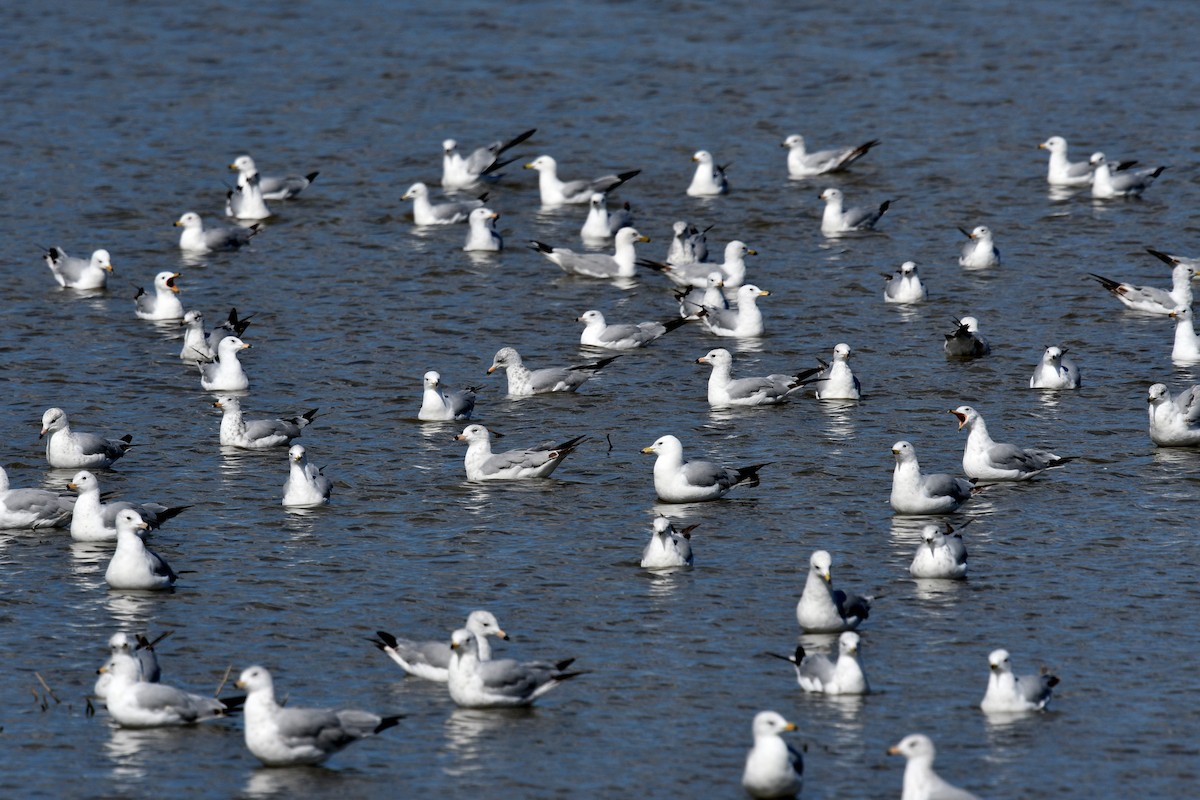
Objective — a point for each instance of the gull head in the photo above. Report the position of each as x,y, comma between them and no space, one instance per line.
665,444
103,260
418,189
448,146
793,142
915,745
831,195
485,623
908,268
255,679
716,356
998,661
130,521
296,453
750,292
189,220
819,563
1158,392
599,201
1053,355
474,433
432,379
119,643
966,415
736,249
904,451
54,419
931,535
1055,144
841,351
591,317
192,318
542,164
848,643
83,481
628,235
1181,314
244,164
463,641
703,156
166,280
770,723
505,357
229,346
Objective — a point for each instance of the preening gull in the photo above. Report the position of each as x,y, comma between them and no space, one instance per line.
965,341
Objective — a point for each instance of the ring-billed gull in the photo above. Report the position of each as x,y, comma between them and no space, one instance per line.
1174,421
803,164
940,555
440,405
773,768
965,341
1186,349
225,373
536,462
1055,371
482,236
920,781
524,382
725,390
284,737
709,178
622,336
246,200
668,548
94,520
693,301
305,487
1150,299
1009,693
904,286
732,269
918,494
679,481
431,659
257,434
463,173
1062,171
31,508
273,187
837,219
200,345
981,251
836,381
597,265
501,683
133,565
744,320
425,212
142,651
823,609
602,224
198,239
164,303
556,192
79,273
66,449
987,460
135,703
688,245
818,673
1125,183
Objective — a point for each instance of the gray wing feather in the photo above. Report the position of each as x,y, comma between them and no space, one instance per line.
544,380
817,666
941,484
706,473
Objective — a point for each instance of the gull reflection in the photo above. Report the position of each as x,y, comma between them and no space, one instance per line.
301,781
840,415
467,731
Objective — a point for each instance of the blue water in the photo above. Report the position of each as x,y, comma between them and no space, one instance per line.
121,116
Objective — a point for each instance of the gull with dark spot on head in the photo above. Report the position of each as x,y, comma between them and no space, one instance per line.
481,165
273,187
1107,184
200,345
141,649
602,224
695,275
305,487
836,381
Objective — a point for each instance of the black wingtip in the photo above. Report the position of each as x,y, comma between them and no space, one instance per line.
1107,283
624,176
388,722
385,640
312,176
540,247
884,206
1161,256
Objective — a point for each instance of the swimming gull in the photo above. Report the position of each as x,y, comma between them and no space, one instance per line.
836,381
836,219
524,382
917,494
66,449
803,164
904,286
1186,349
622,336
284,737
463,173
273,187
201,345
539,461
1009,693
709,179
693,301
440,405
142,650
482,236
725,390
1107,184
225,373
1062,171
425,212
989,461
31,508
133,565
821,608
668,548
981,251
556,192
677,481
965,341
94,520
136,703
431,659
920,781
602,224
1055,371
1174,421
1150,299
732,269
820,674
500,683
79,273
774,769
597,265
246,200
198,239
941,555
305,487
164,303
688,245
257,434
744,320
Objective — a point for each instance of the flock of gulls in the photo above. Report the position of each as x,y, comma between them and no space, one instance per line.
711,290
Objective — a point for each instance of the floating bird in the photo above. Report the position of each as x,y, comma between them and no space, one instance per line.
602,224
31,508
918,494
246,201
773,768
1186,349
225,373
1008,693
524,382
1055,371
430,660
142,650
133,565
66,449
836,219
536,462
198,239
135,703
439,405
822,609
904,286
820,674
285,737
597,265
79,273
1174,422
744,320
257,434
689,244
679,481
628,336
1151,300
274,187
725,390
709,179
305,487
1062,171
695,275
920,781
981,251
199,345
836,381
989,461
463,173
941,555
693,301
164,303
668,548
966,342
500,683
425,212
803,164
555,192
1126,183
96,521
482,236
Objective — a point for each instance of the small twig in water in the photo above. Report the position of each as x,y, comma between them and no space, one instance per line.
224,678
49,691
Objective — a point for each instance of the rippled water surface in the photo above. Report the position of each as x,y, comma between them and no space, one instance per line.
121,116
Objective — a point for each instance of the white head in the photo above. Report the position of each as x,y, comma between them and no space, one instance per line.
101,259
54,419
680,227
970,323
628,235
256,679
904,451
84,481
462,641
244,165
418,189
432,379
190,220
715,357
750,293
841,351
1158,393
981,232
473,433
129,521
832,195
481,216
665,445
769,723
915,745
228,403
484,623
794,142
193,317
599,201
848,643
543,164
819,563
1055,144
1053,355
119,643
966,416
703,156
166,280
591,317
230,346
998,661
448,146
296,453
908,268
736,250
932,536
1182,314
